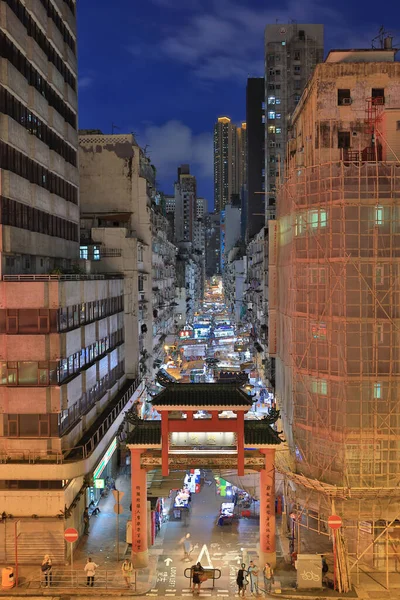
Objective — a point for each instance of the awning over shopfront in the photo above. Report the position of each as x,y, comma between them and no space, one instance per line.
160,487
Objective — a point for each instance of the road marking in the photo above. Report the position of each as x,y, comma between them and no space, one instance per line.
154,590
205,551
174,590
169,594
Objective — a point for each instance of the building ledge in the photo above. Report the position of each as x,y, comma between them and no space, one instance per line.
82,459
71,277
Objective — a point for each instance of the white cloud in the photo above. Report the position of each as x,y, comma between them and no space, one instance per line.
226,41
85,82
174,143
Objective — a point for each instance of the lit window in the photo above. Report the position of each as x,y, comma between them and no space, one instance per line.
379,215
84,252
278,130
319,331
319,386
271,114
271,99
317,218
96,253
277,101
377,390
283,43
271,129
278,115
298,225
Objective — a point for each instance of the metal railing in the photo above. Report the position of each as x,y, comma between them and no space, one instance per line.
76,453
70,277
61,579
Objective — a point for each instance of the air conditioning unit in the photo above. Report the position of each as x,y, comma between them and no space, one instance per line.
346,101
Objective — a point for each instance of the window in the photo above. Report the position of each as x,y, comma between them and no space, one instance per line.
278,101
319,331
298,225
317,275
343,139
271,99
398,125
283,43
378,95
297,69
379,215
277,72
297,84
278,115
379,274
83,253
278,130
296,55
96,253
296,99
343,97
317,218
377,391
319,386
271,128
271,114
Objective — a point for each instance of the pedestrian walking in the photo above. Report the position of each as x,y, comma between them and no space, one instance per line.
127,569
86,521
241,579
47,568
253,574
90,570
187,546
197,577
268,573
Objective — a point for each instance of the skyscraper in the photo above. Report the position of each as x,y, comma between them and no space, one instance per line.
226,162
291,53
253,208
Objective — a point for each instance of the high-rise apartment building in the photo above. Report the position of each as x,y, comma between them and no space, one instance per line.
334,300
62,331
226,162
291,53
185,205
253,208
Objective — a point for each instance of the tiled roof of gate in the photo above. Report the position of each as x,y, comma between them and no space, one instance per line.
258,433
198,395
145,433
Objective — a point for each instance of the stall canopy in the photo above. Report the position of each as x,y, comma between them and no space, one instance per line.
160,487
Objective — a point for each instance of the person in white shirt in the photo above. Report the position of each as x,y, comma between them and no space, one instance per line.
90,570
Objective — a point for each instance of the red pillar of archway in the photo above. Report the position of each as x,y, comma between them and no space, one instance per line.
164,444
267,509
240,442
140,554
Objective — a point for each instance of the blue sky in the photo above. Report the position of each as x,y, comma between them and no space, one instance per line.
165,69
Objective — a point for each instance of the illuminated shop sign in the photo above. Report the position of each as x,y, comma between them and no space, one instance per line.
105,460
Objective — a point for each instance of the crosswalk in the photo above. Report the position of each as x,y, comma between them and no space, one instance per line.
219,593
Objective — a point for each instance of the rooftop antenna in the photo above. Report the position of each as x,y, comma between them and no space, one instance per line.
113,126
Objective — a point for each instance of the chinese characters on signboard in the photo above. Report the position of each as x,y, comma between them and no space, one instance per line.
269,512
136,521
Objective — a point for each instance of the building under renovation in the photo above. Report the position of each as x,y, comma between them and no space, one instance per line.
334,304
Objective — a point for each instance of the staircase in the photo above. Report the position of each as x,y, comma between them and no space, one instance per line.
31,545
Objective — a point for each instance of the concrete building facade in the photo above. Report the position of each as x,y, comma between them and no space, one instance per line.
64,382
291,53
253,210
333,281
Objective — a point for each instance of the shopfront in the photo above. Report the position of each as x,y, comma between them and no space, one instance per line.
105,471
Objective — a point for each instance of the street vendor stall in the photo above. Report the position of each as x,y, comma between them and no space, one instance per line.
226,513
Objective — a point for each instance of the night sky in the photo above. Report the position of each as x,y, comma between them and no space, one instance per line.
165,69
